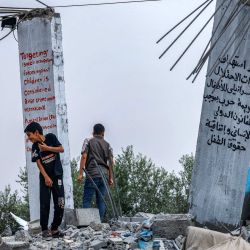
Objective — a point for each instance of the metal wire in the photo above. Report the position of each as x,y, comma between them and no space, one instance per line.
191,43
231,18
117,191
14,27
182,21
43,3
97,189
108,190
107,3
204,59
184,30
210,40
227,46
16,8
233,54
229,21
15,36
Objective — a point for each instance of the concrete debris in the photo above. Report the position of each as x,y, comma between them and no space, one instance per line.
14,245
171,226
23,235
87,215
7,231
125,233
34,227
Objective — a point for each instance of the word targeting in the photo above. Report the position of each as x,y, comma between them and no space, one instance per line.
37,89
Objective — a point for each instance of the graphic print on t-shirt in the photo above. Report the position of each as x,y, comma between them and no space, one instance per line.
50,161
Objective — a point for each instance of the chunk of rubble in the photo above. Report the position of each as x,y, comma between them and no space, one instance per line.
97,244
23,235
7,231
171,226
15,245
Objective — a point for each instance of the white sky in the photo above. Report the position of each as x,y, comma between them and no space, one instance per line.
113,75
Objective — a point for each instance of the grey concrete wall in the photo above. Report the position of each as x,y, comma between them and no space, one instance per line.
43,94
223,146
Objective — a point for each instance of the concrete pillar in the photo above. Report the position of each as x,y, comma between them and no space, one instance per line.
223,147
43,93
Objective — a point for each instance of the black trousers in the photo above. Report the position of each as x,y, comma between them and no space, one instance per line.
57,191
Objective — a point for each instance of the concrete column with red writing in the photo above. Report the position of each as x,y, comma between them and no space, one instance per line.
43,94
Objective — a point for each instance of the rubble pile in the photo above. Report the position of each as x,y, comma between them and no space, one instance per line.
125,233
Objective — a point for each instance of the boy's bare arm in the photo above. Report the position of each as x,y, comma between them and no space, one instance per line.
48,181
82,167
44,147
111,164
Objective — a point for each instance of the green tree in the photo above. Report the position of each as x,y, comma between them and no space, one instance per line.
187,162
10,202
77,188
144,187
23,181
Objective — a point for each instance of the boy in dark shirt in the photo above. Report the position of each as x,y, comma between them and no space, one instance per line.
96,151
45,152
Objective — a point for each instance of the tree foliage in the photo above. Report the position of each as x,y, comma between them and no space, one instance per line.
10,202
77,188
144,187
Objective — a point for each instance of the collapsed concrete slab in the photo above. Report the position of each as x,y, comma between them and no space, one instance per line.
171,226
81,216
85,216
70,217
132,219
13,245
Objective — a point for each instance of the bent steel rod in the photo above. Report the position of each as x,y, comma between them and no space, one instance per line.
97,189
108,190
229,21
210,40
222,32
227,46
184,30
234,52
182,21
194,39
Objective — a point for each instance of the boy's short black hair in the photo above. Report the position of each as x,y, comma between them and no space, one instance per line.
98,129
33,127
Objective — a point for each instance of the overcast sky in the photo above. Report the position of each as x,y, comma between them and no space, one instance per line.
113,76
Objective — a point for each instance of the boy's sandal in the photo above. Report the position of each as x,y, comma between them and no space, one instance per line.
46,234
57,234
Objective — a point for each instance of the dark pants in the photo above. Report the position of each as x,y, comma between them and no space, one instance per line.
90,190
57,190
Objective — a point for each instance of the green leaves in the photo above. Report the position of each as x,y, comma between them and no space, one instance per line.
11,202
144,187
77,188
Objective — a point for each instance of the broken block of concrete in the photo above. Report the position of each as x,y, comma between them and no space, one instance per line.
136,219
171,226
14,245
98,244
7,231
85,216
70,217
115,241
34,227
23,235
